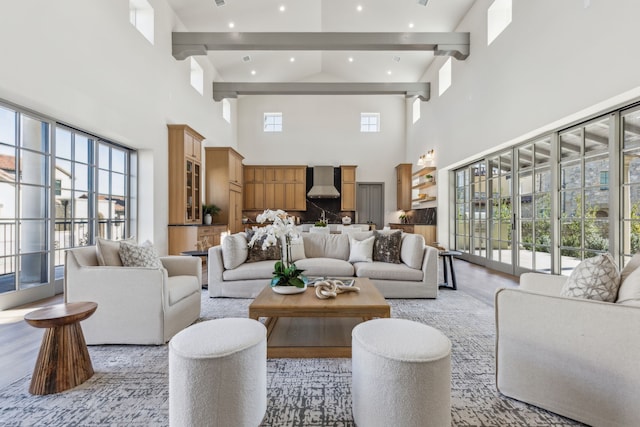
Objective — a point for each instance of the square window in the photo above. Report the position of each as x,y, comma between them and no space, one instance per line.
369,122
273,122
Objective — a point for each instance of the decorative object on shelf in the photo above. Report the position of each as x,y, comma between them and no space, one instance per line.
328,288
428,178
346,220
320,224
404,218
282,228
203,244
208,212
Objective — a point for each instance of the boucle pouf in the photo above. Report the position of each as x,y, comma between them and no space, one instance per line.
401,374
218,374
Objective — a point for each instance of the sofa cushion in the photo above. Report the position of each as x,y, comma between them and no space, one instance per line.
326,246
361,250
386,247
412,250
297,249
144,255
387,271
325,267
631,266
250,270
629,292
181,287
595,278
108,251
234,250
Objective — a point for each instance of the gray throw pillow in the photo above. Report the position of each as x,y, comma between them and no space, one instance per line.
144,255
107,251
256,253
386,247
594,278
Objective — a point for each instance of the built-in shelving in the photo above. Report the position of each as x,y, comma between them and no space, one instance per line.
420,185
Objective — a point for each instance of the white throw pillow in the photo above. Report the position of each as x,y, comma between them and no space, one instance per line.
297,249
144,255
107,251
630,267
234,250
594,278
361,250
629,292
412,250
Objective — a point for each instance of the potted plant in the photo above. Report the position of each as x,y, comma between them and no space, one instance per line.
208,212
428,178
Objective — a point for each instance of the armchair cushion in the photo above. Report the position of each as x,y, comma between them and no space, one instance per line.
144,255
594,278
107,251
181,287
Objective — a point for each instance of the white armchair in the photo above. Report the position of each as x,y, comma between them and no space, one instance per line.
136,305
575,357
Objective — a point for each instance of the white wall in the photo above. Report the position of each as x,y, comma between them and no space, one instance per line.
83,63
325,130
555,63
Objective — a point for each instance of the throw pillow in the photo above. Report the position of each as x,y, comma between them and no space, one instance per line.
595,278
361,250
107,251
234,250
387,246
629,292
144,255
256,253
297,249
412,250
631,266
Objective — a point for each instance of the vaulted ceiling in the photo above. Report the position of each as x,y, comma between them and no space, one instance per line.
282,16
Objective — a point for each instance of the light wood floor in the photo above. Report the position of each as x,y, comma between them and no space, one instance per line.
19,342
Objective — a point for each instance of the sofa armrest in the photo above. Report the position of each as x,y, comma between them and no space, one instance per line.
547,284
430,266
179,265
215,269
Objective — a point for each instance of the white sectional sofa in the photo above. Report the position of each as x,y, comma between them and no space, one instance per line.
575,357
416,276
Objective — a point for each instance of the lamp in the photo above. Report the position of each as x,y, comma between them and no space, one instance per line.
426,158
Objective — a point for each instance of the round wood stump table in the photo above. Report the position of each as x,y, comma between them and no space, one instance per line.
63,361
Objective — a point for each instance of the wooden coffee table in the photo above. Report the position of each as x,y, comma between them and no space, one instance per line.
302,325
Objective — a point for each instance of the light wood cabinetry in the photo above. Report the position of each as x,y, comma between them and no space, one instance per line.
184,238
275,187
348,188
427,231
403,172
224,177
185,175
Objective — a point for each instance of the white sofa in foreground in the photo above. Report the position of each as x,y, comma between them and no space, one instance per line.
416,276
575,357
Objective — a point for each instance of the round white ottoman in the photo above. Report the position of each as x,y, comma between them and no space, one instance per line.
401,374
218,374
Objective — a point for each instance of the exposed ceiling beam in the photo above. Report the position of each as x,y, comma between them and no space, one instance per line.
223,90
186,44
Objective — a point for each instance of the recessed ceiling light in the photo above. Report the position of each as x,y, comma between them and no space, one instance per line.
410,24
359,8
292,59
253,72
231,25
350,59
389,72
282,8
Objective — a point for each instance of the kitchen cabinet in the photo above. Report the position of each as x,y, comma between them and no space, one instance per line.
184,238
348,188
224,177
427,231
185,175
275,187
403,191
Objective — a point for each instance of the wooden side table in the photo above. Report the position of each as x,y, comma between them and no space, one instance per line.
449,255
63,361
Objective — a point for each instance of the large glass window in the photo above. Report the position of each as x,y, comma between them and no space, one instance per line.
630,179
501,212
